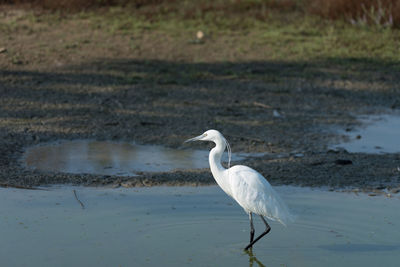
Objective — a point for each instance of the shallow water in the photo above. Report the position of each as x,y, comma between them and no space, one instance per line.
195,226
381,134
112,158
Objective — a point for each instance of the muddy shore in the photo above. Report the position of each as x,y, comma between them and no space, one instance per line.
156,94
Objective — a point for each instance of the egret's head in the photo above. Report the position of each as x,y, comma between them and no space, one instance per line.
210,135
217,138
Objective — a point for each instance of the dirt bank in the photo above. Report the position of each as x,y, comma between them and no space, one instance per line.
75,82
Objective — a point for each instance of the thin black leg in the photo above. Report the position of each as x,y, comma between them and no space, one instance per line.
267,229
252,231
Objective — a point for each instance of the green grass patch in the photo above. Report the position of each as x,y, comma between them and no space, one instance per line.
262,32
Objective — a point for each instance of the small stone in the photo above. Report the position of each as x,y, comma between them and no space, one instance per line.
395,190
200,35
337,150
276,114
146,182
127,184
343,162
3,50
380,187
395,104
316,163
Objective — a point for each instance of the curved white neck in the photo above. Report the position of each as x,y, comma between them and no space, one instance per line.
217,170
215,158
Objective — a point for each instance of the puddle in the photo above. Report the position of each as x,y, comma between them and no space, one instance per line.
196,226
381,134
111,158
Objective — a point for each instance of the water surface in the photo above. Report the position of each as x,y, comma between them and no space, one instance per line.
380,134
194,226
113,158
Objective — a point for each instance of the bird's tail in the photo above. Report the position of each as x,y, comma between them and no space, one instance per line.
285,215
287,219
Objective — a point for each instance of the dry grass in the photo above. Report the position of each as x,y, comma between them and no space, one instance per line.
189,7
359,12
362,12
70,5
236,13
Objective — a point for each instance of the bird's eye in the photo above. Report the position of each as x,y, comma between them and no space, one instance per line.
205,135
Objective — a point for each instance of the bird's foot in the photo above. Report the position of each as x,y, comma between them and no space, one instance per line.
249,247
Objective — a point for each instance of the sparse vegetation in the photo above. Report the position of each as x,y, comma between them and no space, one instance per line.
384,13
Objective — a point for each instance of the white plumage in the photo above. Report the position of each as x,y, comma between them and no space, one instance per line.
255,194
248,187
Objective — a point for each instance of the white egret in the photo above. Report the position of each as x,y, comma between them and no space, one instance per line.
245,185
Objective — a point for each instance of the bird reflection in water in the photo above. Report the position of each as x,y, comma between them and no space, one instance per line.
253,259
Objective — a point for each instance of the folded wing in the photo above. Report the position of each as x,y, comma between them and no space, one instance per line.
255,194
